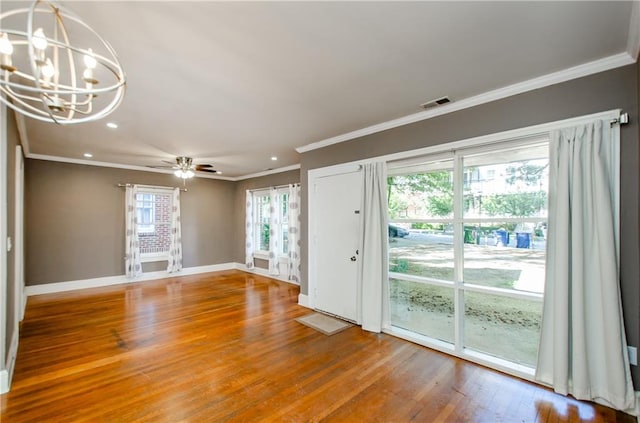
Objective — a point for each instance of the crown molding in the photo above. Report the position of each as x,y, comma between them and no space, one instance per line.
596,66
116,165
22,132
154,170
268,172
633,40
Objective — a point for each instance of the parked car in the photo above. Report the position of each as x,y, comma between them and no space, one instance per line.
397,232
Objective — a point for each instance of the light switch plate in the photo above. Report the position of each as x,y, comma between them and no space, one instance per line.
9,244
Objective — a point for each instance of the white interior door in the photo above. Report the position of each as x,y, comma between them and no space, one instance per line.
337,201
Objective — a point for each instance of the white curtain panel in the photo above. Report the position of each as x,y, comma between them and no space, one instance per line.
249,229
373,257
132,263
274,231
583,349
293,220
175,247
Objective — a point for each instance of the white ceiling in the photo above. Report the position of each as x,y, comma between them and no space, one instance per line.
233,83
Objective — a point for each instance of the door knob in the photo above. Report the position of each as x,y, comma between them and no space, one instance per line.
353,258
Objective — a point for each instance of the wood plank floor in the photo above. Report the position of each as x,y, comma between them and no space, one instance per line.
225,347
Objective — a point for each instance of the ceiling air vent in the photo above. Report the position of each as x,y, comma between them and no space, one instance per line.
435,103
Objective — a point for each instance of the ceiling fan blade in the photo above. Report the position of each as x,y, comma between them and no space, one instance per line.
207,170
203,166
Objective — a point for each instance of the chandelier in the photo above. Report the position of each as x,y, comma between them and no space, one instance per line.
45,76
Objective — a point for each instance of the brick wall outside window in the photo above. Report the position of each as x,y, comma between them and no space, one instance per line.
158,241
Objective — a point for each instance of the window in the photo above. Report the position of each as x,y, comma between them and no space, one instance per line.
262,204
153,212
470,275
262,216
145,212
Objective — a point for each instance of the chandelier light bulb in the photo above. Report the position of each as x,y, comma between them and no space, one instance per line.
89,60
48,70
5,45
39,39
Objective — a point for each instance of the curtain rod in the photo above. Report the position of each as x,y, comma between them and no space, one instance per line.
276,187
121,185
622,120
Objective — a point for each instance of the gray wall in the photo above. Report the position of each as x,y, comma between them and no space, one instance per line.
12,142
284,178
617,88
74,219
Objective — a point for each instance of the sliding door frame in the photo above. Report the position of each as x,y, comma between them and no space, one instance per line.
458,150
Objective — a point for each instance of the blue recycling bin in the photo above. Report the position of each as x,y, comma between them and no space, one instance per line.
523,240
502,237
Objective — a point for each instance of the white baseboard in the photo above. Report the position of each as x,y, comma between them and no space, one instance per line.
4,382
303,300
262,272
24,304
12,354
51,288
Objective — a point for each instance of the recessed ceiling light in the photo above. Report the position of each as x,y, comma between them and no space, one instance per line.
88,155
112,125
274,158
219,172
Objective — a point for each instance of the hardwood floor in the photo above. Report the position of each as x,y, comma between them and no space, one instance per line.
225,347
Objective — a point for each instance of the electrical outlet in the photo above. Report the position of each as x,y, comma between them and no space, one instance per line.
633,355
9,244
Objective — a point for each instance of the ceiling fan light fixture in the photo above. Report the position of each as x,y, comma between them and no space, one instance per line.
47,76
184,173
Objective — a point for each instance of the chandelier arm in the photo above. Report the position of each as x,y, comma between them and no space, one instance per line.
84,112
77,104
15,94
17,98
24,111
78,90
36,113
100,114
22,96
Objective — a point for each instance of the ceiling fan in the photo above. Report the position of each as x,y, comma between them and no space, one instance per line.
185,168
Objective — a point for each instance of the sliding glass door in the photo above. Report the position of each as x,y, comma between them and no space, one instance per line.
467,239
